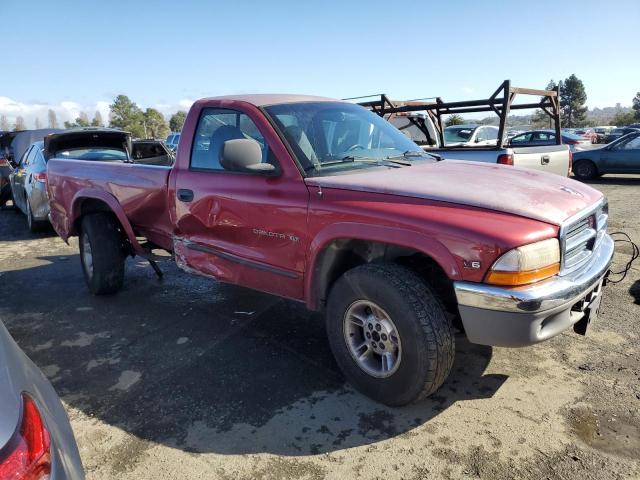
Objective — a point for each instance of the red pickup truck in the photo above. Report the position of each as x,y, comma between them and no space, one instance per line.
324,202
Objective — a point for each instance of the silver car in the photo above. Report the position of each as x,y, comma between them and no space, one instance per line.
29,186
36,440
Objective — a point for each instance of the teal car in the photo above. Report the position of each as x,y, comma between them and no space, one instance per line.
620,156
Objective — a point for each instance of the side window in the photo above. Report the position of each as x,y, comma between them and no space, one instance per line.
492,133
544,137
216,126
524,138
481,135
633,144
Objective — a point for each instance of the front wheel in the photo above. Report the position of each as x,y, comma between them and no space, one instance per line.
389,333
101,253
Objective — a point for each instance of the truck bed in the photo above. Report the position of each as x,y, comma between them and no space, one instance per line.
547,158
141,190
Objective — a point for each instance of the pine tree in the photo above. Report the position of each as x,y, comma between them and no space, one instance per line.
572,101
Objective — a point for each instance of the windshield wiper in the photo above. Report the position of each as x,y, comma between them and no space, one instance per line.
415,153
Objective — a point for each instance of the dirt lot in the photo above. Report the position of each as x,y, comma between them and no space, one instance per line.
186,378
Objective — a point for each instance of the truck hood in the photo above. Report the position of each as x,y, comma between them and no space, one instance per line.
541,196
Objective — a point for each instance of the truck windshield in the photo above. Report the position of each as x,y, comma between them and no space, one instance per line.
332,137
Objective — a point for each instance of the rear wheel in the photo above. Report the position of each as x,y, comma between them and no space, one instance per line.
389,333
101,253
585,169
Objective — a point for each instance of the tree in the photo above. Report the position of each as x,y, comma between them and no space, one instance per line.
572,101
636,105
38,124
97,120
126,115
623,118
53,120
177,120
155,125
454,120
4,123
20,125
82,120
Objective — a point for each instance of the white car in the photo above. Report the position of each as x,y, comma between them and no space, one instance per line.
470,135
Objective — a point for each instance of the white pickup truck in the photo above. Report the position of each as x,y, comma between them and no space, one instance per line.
422,123
549,158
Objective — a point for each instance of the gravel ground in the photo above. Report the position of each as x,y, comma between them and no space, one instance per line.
186,378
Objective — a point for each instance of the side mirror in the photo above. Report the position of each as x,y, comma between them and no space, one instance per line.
244,155
477,140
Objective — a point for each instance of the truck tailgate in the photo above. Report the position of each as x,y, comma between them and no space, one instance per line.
552,158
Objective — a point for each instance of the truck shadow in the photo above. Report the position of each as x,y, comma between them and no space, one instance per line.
634,291
205,367
614,180
14,226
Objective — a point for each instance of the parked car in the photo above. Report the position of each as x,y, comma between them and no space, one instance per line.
12,147
601,133
616,133
36,440
327,203
5,171
547,137
29,186
466,135
151,152
512,133
587,133
620,156
172,141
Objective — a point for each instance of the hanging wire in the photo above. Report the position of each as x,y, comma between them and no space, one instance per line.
635,253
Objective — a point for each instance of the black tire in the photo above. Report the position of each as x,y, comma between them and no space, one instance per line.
584,169
34,226
425,332
104,267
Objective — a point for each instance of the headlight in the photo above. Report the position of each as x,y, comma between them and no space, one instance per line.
526,264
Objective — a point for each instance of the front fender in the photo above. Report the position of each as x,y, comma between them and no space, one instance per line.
375,233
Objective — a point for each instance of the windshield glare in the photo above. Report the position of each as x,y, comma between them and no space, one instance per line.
97,153
331,137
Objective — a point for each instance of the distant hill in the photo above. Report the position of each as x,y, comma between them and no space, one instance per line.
597,116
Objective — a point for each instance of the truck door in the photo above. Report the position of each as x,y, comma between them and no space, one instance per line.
243,228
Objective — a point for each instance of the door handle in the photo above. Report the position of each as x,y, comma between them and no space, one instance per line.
185,195
545,160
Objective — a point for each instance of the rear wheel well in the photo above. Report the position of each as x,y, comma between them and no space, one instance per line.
345,254
93,205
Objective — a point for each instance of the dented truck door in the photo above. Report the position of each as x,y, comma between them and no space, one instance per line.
240,227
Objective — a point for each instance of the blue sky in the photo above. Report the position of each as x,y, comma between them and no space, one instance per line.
77,55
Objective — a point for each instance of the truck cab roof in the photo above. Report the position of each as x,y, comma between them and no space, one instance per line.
265,99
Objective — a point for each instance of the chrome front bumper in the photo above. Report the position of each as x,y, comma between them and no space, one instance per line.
526,315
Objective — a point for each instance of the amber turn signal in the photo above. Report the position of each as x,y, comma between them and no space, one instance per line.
522,278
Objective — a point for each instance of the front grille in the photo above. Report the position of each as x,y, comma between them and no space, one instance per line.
580,238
